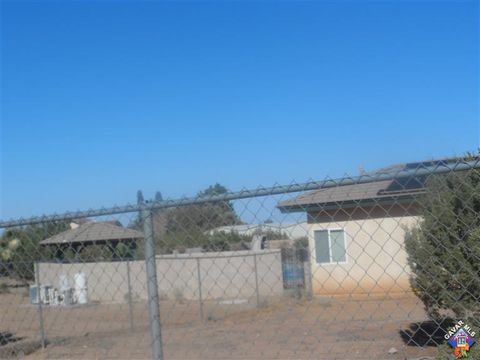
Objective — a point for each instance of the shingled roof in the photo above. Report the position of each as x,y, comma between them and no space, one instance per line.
93,232
342,195
364,193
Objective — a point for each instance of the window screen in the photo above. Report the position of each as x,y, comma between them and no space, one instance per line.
337,244
322,252
330,246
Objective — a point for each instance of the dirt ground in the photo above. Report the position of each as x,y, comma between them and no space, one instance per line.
281,328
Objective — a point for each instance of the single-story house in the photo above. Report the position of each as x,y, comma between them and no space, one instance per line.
356,233
291,231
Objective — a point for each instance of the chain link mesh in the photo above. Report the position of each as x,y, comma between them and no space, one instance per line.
371,267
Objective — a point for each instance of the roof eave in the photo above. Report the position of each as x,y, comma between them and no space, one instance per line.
99,241
348,204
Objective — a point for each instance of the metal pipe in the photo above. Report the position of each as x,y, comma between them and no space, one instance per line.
152,285
130,301
238,253
200,298
256,279
40,307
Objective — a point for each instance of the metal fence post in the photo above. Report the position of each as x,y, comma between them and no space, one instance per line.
307,276
152,285
256,279
200,300
130,301
39,307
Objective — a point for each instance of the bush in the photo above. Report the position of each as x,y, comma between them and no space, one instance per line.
444,250
4,289
302,251
20,248
271,234
223,241
91,253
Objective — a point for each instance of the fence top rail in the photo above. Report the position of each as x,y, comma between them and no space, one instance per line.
440,168
216,255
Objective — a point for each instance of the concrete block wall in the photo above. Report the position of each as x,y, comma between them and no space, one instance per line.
224,275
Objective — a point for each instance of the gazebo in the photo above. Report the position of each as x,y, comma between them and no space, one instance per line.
88,234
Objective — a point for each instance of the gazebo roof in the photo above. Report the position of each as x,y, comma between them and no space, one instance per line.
93,232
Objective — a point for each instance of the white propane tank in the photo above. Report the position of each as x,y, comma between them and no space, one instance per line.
81,288
65,290
64,284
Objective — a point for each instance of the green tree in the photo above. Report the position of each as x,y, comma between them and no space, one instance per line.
91,253
225,241
140,198
20,248
188,225
158,196
444,250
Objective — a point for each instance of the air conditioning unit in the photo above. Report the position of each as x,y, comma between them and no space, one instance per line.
41,294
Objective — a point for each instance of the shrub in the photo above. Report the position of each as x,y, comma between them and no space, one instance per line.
444,250
4,289
271,234
20,248
223,241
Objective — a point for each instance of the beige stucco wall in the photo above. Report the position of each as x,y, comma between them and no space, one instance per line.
225,275
376,257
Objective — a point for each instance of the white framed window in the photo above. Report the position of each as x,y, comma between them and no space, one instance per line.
330,246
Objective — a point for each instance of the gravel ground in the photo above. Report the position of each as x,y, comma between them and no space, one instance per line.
281,328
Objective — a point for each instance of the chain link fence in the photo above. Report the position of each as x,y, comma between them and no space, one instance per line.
376,266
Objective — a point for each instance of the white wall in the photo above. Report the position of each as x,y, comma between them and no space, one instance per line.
376,257
224,275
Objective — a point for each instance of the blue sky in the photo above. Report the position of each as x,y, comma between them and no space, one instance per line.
100,99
